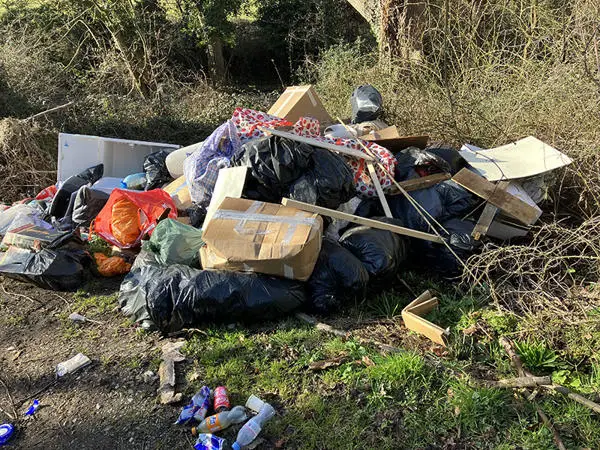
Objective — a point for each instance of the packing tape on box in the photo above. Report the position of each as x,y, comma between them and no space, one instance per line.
293,91
244,217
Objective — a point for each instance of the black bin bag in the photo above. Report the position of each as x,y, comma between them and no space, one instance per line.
155,167
381,252
61,269
367,104
183,297
329,181
338,278
275,164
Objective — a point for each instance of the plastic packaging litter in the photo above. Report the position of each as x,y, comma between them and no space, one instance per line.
254,403
209,442
6,432
33,408
111,266
47,193
367,104
107,184
221,421
338,278
340,131
329,182
72,365
221,402
336,225
135,181
32,213
156,170
179,296
88,204
129,215
60,203
222,143
175,243
381,252
253,427
197,408
61,269
275,163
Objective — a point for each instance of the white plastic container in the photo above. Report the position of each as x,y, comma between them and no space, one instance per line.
176,159
120,157
72,365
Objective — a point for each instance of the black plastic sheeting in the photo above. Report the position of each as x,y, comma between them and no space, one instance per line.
412,157
367,104
450,155
88,203
62,199
437,258
338,278
58,269
156,170
443,201
282,167
381,252
328,183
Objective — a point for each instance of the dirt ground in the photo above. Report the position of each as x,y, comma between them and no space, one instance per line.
108,404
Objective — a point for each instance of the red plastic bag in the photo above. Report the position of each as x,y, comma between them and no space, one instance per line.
110,267
129,215
47,194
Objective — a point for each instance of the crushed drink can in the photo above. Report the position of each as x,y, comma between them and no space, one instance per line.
209,442
221,399
197,408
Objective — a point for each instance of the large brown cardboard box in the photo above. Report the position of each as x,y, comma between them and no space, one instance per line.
300,101
391,139
180,193
253,236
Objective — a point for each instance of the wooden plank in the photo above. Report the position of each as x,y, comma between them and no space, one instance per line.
487,216
412,313
361,220
380,194
320,144
421,183
487,190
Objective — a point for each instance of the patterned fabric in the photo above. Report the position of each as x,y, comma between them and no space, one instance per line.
247,122
204,186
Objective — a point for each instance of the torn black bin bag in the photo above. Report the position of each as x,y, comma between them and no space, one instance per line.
338,278
382,252
275,164
329,181
450,155
88,203
60,269
412,160
61,201
156,170
437,258
367,104
442,201
183,297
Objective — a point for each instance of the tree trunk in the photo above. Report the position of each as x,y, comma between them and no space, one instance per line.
215,59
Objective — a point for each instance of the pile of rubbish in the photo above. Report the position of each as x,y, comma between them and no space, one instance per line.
272,213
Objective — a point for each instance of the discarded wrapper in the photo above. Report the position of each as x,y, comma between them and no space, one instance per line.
197,408
33,408
209,442
72,365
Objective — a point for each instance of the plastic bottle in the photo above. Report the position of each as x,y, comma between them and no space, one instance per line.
135,181
221,400
221,421
253,427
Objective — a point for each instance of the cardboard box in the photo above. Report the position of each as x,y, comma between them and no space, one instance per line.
253,236
179,192
300,101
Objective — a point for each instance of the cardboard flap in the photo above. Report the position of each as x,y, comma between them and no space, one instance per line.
390,139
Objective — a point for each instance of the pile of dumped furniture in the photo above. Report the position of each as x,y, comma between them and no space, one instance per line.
271,213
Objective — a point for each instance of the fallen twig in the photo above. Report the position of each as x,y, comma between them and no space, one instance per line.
574,396
321,326
43,113
20,295
518,382
12,403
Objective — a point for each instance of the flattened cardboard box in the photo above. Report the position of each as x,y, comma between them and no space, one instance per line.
179,192
300,101
253,236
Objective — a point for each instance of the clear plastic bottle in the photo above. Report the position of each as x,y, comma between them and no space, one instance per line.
253,427
221,421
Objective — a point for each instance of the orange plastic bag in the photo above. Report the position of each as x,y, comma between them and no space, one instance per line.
129,215
111,266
